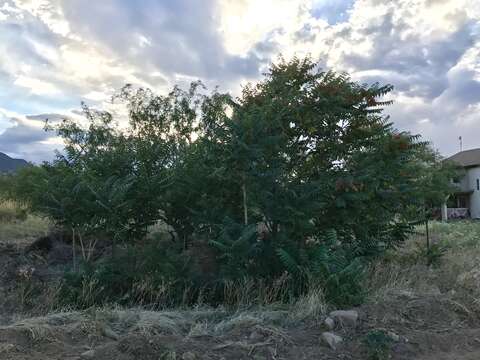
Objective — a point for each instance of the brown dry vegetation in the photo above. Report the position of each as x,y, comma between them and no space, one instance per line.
17,226
433,310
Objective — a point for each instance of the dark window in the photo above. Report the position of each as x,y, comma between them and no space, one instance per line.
462,201
478,184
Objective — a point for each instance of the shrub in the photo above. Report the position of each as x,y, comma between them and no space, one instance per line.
261,178
378,344
432,254
150,275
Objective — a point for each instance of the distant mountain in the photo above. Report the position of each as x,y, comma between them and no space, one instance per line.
7,164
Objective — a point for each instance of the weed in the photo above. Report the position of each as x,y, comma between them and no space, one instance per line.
312,306
432,254
378,344
17,225
455,263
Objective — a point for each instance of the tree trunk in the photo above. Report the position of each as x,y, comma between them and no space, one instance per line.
74,254
245,209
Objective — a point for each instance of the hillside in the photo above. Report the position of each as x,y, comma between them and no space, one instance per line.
8,164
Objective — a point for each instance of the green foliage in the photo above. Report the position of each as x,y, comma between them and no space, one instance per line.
433,254
302,174
148,275
336,269
378,344
235,246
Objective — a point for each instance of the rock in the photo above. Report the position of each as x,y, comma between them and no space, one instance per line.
406,294
331,339
345,317
109,333
256,336
393,336
189,356
329,323
90,354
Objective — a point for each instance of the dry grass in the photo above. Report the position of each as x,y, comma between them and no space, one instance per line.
193,323
256,322
253,292
44,328
11,211
402,271
19,227
405,271
311,306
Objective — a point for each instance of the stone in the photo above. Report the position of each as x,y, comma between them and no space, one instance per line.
90,354
109,333
331,339
189,356
345,317
393,336
406,294
329,323
256,336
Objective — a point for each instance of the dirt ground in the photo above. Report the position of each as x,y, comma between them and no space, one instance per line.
428,326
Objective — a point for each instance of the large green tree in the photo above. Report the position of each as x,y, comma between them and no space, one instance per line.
302,172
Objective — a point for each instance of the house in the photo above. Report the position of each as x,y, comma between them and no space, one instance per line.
466,201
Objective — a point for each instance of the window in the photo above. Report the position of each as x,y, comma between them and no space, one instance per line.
478,184
462,201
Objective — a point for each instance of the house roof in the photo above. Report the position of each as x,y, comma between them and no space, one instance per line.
466,158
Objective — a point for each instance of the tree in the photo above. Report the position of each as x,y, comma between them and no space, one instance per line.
302,173
315,152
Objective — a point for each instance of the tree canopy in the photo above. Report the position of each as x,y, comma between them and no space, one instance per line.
301,173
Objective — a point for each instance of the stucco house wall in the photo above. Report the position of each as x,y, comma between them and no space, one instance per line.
469,185
473,174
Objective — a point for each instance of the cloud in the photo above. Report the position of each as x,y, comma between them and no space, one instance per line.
428,50
170,37
56,53
27,138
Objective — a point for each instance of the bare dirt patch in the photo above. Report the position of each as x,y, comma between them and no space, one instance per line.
203,334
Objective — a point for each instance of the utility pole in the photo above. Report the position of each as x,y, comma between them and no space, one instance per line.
461,145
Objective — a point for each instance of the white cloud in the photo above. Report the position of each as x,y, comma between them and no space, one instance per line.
48,11
36,86
244,23
54,53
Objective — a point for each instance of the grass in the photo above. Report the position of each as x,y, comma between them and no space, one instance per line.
19,227
253,320
405,270
401,271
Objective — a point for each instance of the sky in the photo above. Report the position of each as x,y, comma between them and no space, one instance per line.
54,54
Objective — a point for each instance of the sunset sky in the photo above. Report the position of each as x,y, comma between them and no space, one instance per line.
55,54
